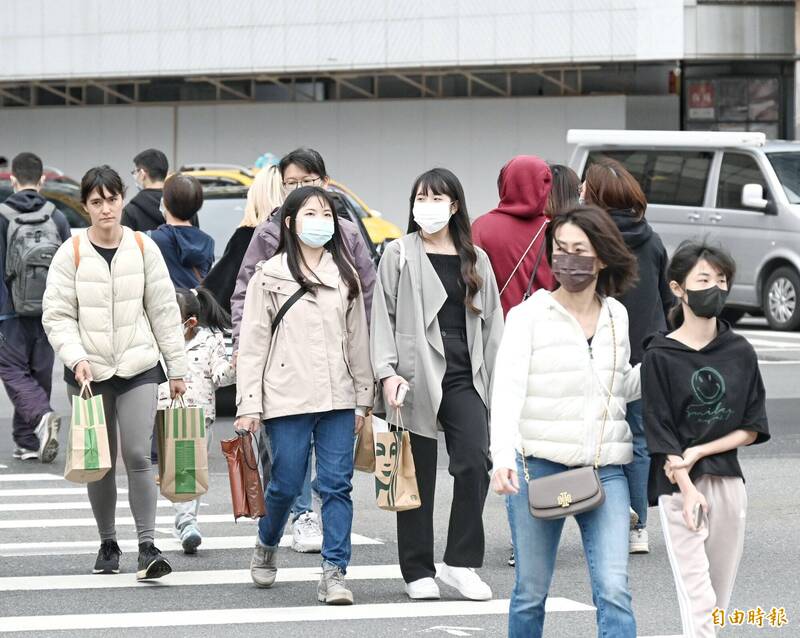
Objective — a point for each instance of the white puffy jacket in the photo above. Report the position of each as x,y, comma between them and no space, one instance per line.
551,387
120,320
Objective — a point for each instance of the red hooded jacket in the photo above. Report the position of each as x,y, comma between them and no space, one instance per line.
506,232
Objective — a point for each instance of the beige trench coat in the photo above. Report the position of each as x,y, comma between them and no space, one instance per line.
406,339
318,358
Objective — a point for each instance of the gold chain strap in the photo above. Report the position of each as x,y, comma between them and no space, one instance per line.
605,412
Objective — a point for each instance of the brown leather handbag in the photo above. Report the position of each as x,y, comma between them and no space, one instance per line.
573,491
247,495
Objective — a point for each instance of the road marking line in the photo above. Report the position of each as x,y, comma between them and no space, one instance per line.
317,613
778,363
30,477
190,578
3,467
55,548
68,505
49,491
44,523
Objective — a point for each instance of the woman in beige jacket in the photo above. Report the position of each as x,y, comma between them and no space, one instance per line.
110,313
304,370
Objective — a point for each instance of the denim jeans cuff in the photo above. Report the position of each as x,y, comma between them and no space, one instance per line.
326,564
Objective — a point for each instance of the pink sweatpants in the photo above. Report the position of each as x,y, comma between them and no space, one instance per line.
704,563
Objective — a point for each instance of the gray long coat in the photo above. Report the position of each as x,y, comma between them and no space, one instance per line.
405,336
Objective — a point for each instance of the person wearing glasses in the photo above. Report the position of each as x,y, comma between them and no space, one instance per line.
301,168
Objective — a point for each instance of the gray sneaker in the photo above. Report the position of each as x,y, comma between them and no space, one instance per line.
262,567
47,431
331,589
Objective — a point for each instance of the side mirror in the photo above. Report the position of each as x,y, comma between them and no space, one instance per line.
753,196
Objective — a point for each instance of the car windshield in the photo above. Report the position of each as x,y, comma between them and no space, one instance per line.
787,167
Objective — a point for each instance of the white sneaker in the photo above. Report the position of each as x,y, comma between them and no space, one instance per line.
639,542
634,518
466,581
306,534
47,431
423,589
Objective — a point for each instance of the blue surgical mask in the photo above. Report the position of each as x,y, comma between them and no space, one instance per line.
317,231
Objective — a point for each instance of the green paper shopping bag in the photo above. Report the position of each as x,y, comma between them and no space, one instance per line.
88,455
182,452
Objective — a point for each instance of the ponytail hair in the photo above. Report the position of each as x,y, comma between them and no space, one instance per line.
203,306
686,257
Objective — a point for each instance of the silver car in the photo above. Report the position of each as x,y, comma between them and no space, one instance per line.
737,189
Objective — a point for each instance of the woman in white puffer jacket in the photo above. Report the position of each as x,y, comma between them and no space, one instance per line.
110,313
562,381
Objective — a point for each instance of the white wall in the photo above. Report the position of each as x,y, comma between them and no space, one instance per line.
375,147
118,38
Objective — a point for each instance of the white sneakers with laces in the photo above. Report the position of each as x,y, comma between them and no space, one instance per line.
306,534
466,581
639,542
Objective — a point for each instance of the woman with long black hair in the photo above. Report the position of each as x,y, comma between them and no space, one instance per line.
436,325
304,371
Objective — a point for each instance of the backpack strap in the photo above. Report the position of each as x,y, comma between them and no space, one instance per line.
139,241
76,249
7,212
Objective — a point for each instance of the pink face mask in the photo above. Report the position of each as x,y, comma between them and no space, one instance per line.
574,272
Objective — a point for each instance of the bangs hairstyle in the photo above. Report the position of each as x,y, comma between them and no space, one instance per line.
565,191
686,257
183,196
621,270
440,181
290,243
306,158
102,178
610,186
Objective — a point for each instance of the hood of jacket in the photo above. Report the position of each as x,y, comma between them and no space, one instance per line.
634,231
26,201
148,202
660,340
524,186
193,246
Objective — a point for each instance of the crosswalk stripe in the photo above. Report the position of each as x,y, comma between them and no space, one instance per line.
67,505
42,523
269,615
48,491
56,548
5,478
190,578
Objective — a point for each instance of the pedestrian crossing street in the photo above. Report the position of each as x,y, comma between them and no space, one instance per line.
51,549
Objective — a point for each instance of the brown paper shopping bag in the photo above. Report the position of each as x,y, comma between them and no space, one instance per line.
88,455
395,475
182,452
247,495
364,459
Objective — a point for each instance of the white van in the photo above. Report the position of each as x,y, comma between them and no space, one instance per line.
737,189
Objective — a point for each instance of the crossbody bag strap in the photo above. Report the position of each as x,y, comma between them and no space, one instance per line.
285,307
524,255
611,389
535,269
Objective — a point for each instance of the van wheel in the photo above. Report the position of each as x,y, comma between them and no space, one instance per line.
781,304
732,315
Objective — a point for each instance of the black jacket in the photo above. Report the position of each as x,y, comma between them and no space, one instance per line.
143,212
691,397
649,301
25,201
221,280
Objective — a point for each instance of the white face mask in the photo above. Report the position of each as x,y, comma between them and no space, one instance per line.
431,216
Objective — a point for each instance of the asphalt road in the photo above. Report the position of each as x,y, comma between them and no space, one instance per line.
46,555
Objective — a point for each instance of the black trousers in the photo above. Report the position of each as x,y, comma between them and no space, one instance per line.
464,419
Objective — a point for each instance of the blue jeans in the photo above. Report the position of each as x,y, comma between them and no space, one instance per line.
638,470
333,437
605,542
304,503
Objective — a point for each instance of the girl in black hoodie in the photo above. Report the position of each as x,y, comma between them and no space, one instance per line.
703,399
611,187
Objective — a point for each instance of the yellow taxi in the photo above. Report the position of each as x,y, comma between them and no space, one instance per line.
215,175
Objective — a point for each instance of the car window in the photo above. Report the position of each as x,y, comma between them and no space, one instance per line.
676,178
74,217
787,167
353,203
737,170
214,181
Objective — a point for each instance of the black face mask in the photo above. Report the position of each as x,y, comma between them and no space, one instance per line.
707,303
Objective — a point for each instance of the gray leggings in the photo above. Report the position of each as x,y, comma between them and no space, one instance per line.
134,413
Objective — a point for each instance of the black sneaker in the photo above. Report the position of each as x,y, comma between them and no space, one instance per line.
107,558
151,563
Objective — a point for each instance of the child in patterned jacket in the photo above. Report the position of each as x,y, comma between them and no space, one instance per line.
210,368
